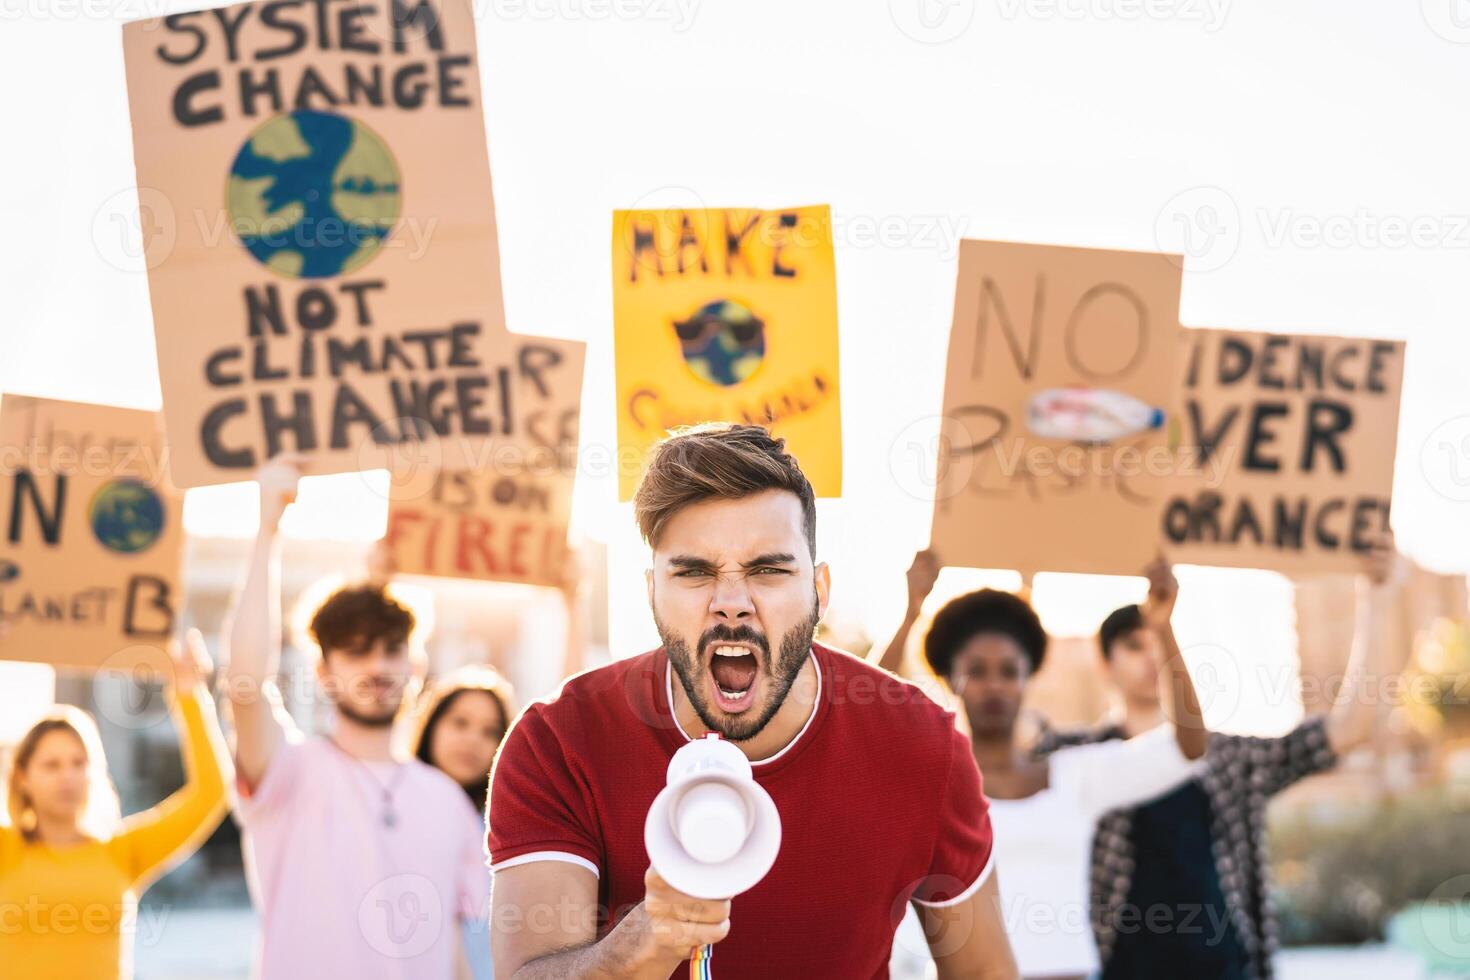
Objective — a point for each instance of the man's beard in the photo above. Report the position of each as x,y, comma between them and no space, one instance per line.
796,647
384,720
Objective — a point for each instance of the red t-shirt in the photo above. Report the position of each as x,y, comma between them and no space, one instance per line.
879,797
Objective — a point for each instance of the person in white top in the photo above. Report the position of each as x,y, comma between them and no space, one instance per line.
986,645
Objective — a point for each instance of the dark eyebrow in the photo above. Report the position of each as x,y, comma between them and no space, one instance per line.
771,558
691,562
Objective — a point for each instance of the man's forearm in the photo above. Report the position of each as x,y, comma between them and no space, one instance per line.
255,632
1352,718
254,659
617,956
1184,706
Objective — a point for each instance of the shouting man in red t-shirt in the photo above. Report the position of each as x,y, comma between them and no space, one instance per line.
878,794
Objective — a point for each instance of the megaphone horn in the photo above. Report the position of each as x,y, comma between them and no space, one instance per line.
712,832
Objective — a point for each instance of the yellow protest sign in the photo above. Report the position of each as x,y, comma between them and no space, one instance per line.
1292,439
1053,451
319,231
505,519
92,555
727,315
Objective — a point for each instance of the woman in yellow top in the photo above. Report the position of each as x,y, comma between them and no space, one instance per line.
71,870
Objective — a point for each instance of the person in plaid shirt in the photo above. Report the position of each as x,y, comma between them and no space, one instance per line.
1180,885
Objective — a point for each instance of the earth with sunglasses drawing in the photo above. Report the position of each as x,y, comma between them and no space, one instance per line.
723,343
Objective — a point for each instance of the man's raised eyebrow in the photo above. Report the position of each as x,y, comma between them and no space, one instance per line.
772,558
690,561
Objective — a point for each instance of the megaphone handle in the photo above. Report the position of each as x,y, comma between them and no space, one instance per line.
699,963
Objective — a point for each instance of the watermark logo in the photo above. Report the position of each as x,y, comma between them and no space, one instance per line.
932,21
1215,671
401,917
135,226
1444,459
1202,224
1450,19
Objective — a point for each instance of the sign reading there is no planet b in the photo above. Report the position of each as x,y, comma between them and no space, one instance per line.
91,558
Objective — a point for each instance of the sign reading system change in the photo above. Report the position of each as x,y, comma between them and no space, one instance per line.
318,225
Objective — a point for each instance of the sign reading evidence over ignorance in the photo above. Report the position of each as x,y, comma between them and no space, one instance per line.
320,233
1301,430
1053,452
727,315
506,518
92,554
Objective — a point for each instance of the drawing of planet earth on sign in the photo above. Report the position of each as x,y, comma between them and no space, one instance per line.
723,342
313,194
126,516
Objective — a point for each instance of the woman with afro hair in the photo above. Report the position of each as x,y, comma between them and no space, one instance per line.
985,646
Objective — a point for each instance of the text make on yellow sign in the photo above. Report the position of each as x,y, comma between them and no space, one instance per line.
727,315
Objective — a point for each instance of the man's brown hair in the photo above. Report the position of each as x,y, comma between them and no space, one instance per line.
718,460
357,616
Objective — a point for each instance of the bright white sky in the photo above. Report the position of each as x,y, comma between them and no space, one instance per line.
1069,121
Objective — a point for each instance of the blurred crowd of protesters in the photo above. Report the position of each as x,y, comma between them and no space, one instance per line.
1135,848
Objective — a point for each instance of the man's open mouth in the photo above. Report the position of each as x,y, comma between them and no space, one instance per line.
734,670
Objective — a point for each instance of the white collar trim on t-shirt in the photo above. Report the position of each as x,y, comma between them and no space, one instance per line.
669,687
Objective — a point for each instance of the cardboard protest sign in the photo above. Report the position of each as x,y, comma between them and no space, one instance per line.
92,556
727,315
1293,442
506,518
319,230
1053,452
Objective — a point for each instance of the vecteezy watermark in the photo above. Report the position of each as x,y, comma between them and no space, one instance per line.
402,916
1445,918
1202,224
1444,459
33,915
1210,14
932,21
133,226
1450,19
1215,670
937,457
1205,225
56,455
938,232
1282,227
127,687
140,226
74,10
679,14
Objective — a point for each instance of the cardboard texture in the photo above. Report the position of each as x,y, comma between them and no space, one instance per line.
727,315
1291,442
91,563
506,519
1061,362
320,234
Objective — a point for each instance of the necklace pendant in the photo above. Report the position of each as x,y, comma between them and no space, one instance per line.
390,819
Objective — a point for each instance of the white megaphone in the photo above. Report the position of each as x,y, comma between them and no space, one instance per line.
712,832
